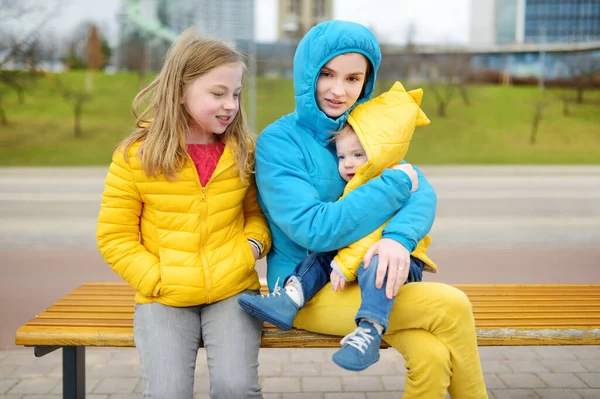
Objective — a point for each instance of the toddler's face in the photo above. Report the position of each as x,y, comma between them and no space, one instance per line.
350,153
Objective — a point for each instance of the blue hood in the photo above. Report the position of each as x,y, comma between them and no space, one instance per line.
322,43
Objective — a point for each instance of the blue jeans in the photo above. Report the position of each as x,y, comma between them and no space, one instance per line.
314,271
167,339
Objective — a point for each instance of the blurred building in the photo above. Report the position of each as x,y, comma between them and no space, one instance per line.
534,21
148,27
296,17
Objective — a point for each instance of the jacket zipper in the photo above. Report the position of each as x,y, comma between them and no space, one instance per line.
203,229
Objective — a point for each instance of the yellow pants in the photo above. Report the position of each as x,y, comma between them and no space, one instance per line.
431,325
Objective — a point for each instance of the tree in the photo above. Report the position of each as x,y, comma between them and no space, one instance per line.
78,98
585,72
95,55
19,44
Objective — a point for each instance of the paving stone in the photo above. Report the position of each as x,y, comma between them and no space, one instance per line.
554,352
563,366
562,380
321,384
11,396
527,366
495,366
117,385
300,369
42,397
37,385
90,384
312,395
310,355
550,393
270,369
125,396
585,351
515,394
591,365
7,383
393,383
98,396
589,393
201,396
592,379
385,395
362,384
522,380
521,353
346,395
332,369
7,371
492,381
492,353
271,396
275,355
115,371
383,368
280,384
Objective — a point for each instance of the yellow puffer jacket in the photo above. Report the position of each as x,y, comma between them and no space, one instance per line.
176,242
384,126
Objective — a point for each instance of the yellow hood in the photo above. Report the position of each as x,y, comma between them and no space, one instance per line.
385,126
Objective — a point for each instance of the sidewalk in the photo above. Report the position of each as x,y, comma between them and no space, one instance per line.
547,372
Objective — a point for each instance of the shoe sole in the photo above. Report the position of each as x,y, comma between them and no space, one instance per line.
268,317
352,368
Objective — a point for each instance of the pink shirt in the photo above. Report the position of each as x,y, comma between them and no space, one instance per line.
206,157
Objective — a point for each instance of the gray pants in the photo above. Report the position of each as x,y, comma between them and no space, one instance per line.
167,339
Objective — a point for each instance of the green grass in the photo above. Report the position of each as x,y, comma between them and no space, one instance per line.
495,129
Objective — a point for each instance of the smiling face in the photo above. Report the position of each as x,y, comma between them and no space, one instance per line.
350,153
340,83
212,101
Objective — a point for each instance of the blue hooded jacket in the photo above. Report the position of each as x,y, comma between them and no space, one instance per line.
297,170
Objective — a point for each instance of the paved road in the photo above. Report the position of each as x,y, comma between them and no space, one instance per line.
493,225
512,206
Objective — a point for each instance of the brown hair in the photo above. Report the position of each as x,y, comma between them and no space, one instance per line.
164,121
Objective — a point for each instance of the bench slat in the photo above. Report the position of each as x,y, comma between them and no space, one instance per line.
101,314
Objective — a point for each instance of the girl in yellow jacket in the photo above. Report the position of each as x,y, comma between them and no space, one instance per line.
180,222
376,136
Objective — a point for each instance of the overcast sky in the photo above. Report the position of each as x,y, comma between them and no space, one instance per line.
436,21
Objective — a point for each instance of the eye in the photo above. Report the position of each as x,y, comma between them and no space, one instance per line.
217,94
359,155
324,73
341,157
353,79
236,95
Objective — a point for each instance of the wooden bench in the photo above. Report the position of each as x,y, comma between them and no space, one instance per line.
101,314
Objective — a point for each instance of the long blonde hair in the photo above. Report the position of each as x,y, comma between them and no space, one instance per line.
164,121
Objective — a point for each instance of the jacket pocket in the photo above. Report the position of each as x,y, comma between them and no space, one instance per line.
248,254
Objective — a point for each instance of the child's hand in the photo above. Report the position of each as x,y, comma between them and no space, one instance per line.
412,175
337,281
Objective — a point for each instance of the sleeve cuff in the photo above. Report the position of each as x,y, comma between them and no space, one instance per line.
257,244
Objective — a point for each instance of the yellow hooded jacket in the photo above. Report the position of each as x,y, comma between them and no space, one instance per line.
384,125
176,242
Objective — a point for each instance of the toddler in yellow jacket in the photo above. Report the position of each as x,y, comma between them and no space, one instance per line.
377,136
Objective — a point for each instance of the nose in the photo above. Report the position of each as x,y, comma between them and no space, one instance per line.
230,104
338,88
348,163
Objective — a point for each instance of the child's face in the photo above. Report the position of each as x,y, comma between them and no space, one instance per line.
350,153
213,99
340,83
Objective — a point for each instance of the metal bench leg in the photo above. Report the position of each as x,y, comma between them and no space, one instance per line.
74,372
